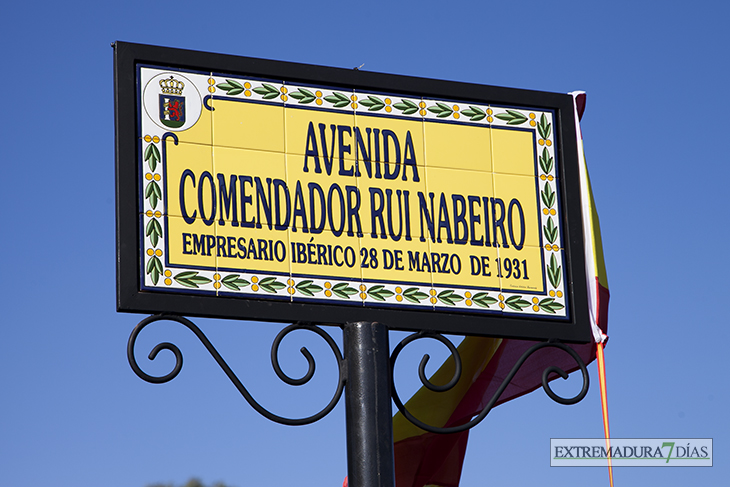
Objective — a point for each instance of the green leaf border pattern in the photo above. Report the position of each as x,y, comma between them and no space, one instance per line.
414,295
380,293
152,155
373,103
406,106
152,191
231,87
343,290
512,117
270,284
191,279
154,268
484,300
546,161
554,302
441,110
308,288
544,128
337,100
234,282
267,91
303,95
153,230
516,303
153,195
449,297
424,108
550,231
554,271
550,305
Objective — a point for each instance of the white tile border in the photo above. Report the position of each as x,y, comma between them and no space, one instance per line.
369,293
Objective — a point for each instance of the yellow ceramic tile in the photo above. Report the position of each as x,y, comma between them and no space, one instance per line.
459,202
403,262
251,187
324,256
513,151
517,229
322,201
252,250
189,182
235,204
201,132
325,136
464,266
516,211
248,125
458,146
521,270
249,162
520,208
390,207
397,142
461,244
190,244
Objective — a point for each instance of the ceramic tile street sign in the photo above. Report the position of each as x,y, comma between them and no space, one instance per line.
276,191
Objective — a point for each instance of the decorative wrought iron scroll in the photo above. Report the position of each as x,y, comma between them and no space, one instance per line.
223,365
343,371
457,374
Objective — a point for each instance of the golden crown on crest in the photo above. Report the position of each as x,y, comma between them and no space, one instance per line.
172,86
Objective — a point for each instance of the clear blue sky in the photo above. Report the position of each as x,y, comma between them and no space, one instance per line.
72,413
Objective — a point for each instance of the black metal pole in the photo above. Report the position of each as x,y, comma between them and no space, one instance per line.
368,413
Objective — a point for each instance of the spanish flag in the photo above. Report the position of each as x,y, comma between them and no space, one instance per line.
428,459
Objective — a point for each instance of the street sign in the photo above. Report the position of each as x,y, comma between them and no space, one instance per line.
265,190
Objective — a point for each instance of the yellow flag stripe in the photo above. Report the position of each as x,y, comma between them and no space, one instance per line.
435,408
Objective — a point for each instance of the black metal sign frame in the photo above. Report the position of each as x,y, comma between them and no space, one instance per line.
132,297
